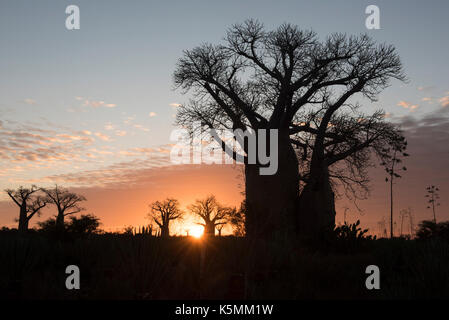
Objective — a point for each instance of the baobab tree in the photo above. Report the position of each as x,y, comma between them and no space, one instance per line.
162,212
29,202
211,212
66,202
275,80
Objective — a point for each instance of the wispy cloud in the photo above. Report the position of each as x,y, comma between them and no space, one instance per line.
408,105
30,101
102,136
444,101
98,104
152,114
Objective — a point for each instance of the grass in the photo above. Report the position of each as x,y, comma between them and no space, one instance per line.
143,267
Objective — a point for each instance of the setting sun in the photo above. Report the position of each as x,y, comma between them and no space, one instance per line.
196,231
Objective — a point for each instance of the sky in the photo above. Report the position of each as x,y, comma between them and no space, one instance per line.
92,109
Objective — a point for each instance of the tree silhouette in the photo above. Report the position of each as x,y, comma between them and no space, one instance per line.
391,162
29,204
211,212
86,224
162,212
433,199
274,80
237,220
66,202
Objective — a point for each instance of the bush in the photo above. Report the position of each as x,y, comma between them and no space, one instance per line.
429,230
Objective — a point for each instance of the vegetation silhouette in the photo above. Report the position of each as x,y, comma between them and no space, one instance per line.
162,212
285,244
287,79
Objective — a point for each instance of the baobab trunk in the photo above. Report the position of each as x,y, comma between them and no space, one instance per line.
271,200
60,221
23,219
316,208
209,229
165,231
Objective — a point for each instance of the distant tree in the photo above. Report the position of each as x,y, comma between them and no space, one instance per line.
129,230
219,229
162,212
433,199
85,224
211,212
391,162
29,202
66,202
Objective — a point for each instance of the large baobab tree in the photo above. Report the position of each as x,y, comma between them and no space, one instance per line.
211,212
261,79
66,202
29,202
162,212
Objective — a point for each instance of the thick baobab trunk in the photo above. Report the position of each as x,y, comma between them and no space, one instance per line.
165,231
271,200
23,220
316,203
209,229
60,221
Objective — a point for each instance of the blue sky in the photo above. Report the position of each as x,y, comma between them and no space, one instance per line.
91,91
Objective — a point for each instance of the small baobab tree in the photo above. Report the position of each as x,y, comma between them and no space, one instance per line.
433,199
211,212
162,212
29,201
66,202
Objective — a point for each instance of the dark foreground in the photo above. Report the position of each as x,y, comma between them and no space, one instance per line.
147,268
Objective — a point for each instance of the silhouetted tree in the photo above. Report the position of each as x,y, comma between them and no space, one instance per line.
273,80
237,220
429,229
433,199
66,202
85,224
162,212
211,212
29,203
391,163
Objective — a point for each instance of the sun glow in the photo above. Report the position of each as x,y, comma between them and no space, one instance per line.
196,231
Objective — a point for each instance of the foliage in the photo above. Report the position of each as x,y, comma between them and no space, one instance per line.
86,224
429,229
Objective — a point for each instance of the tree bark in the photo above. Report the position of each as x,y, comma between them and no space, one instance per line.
209,229
60,221
316,203
271,200
23,219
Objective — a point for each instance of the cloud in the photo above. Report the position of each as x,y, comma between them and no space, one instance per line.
120,133
141,127
152,114
97,104
426,88
444,101
175,105
30,101
102,136
407,105
108,126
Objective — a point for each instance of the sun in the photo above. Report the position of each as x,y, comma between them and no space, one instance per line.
196,231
